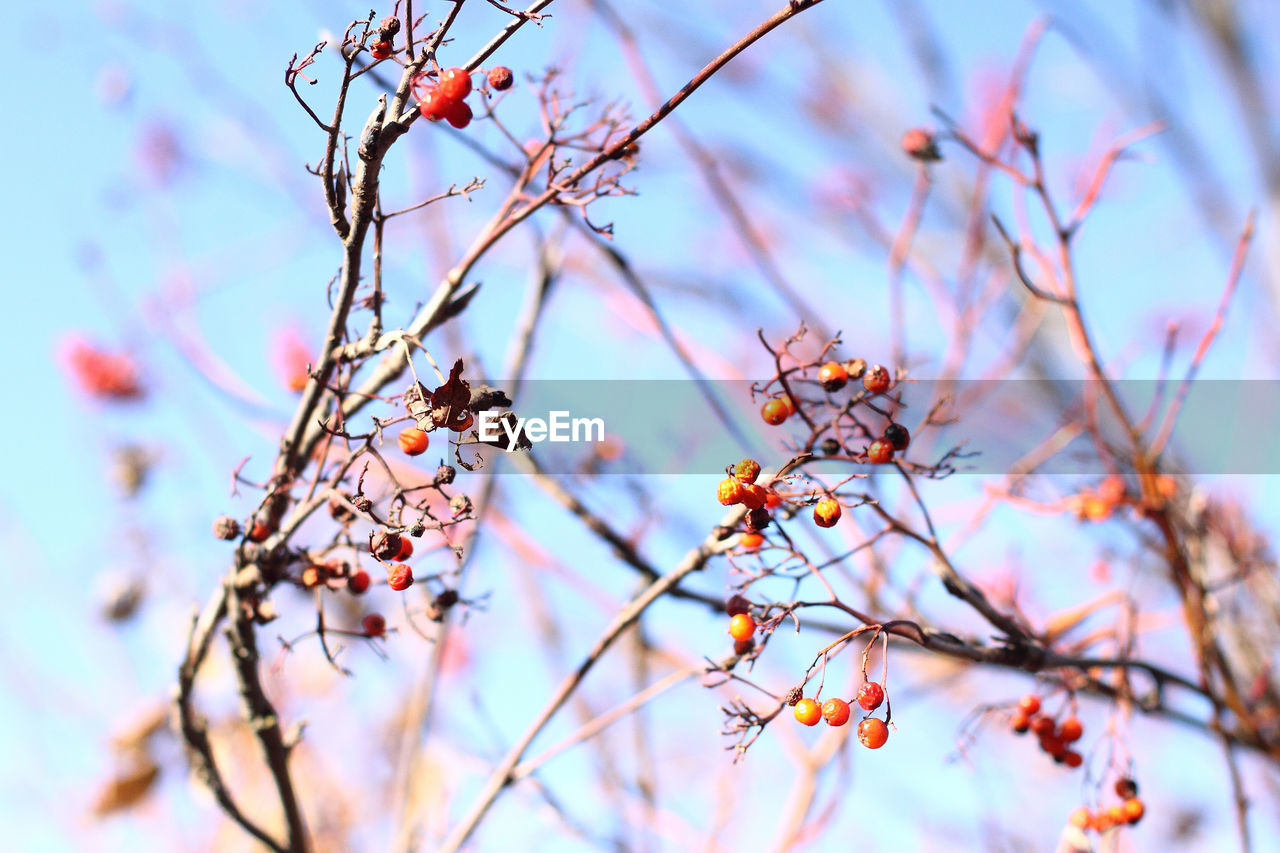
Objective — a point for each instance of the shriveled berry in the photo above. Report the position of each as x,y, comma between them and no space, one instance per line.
897,436
729,492
1126,788
742,647
808,711
879,452
387,546
225,527
500,78
832,376
399,577
829,447
873,733
758,519
358,582
877,379
753,496
826,512
374,625
742,627
856,367
835,712
413,441
737,604
870,695
747,471
455,83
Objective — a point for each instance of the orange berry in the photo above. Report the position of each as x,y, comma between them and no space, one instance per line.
750,541
259,532
835,712
1134,809
1116,815
399,577
311,577
1020,723
826,512
753,497
873,733
879,452
1071,730
775,411
1081,818
1095,508
414,441
729,492
1029,704
832,376
374,625
808,712
772,500
877,379
742,627
747,471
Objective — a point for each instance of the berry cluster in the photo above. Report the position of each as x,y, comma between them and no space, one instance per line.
740,487
384,45
445,99
872,731
1055,738
1128,811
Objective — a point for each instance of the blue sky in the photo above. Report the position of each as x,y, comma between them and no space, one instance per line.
235,246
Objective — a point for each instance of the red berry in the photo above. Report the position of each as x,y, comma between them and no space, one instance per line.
259,532
1071,758
808,712
897,436
1029,704
870,695
835,712
358,582
406,549
879,452
432,103
459,114
374,625
876,379
919,144
729,491
742,627
747,471
832,376
873,733
1126,788
775,411
1020,723
826,512
500,78
1042,726
380,49
456,84
1054,746
1071,730
399,577
414,441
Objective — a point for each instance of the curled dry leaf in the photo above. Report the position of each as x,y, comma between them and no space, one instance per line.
127,789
